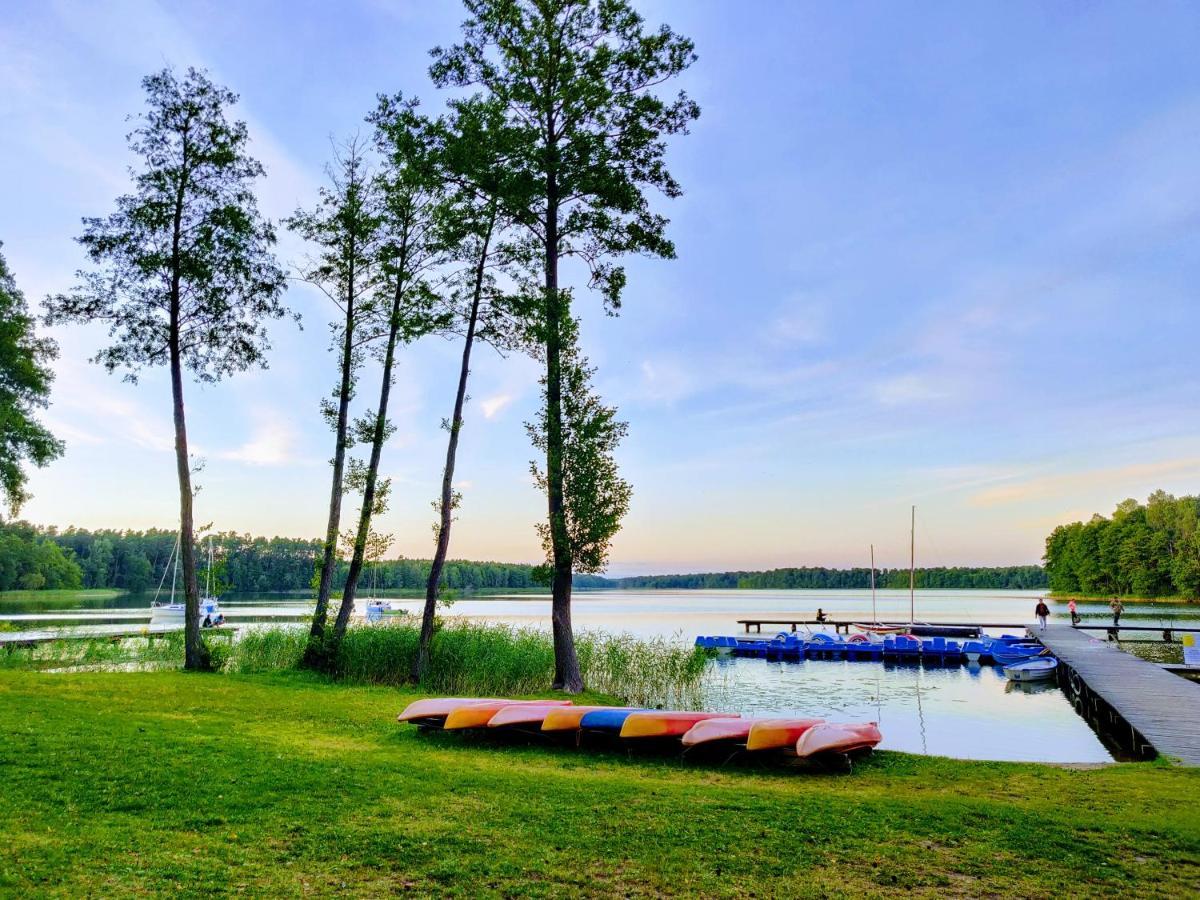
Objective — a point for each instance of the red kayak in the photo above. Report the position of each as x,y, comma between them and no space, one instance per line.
524,714
479,715
837,737
435,709
657,723
710,731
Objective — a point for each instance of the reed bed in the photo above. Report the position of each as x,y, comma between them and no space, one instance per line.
165,650
473,658
468,658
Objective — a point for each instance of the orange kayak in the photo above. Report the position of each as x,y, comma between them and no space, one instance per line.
837,737
439,707
566,718
710,731
524,713
656,723
773,734
478,715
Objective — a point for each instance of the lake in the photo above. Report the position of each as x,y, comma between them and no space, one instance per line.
960,711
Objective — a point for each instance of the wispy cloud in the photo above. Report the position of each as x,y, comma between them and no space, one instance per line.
492,406
1118,478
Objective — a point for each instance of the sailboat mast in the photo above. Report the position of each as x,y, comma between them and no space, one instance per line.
874,614
912,568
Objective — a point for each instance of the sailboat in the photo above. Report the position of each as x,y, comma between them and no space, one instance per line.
877,627
173,612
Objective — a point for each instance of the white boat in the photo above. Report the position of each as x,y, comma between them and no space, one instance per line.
1038,669
172,612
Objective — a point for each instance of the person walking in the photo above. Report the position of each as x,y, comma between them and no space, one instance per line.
1117,608
1071,608
1042,611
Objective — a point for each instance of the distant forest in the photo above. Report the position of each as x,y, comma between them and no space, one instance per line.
1143,550
998,577
33,558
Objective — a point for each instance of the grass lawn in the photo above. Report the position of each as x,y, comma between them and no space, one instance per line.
120,783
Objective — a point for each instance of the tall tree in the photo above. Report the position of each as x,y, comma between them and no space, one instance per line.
185,273
412,201
577,80
25,378
472,155
345,227
595,496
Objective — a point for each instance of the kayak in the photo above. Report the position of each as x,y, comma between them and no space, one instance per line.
567,718
837,737
657,723
479,715
606,718
523,714
774,734
710,731
1037,669
435,709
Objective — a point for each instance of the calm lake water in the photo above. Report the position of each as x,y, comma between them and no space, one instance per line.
966,712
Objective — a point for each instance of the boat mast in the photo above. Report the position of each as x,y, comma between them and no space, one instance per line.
912,568
874,614
208,580
175,571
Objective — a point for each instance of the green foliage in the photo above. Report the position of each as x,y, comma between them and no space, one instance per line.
31,560
595,496
25,378
821,578
189,237
1150,550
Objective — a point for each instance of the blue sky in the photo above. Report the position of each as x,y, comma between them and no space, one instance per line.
941,254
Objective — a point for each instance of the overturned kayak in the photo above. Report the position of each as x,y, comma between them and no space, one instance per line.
775,734
524,714
435,709
712,731
567,718
609,718
837,737
479,715
657,723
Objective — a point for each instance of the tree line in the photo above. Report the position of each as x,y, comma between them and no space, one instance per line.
820,578
1142,550
549,148
33,558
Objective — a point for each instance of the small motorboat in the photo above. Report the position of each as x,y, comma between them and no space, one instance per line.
1038,669
528,714
879,628
661,724
713,731
567,718
775,734
837,737
479,715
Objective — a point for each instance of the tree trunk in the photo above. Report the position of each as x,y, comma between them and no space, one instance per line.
421,663
567,676
313,654
364,519
195,655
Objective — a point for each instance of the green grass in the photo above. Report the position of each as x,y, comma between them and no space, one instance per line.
154,783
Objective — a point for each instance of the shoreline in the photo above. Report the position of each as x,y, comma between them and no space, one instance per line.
1105,598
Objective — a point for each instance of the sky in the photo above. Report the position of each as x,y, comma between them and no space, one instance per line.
933,254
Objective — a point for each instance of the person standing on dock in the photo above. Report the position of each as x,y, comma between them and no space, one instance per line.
1117,608
1072,609
1042,611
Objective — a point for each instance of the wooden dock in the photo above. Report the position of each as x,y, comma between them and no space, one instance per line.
11,640
1137,702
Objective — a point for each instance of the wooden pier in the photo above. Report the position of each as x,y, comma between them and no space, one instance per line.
11,640
1139,703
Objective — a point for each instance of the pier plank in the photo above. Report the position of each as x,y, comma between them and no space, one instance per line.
1161,706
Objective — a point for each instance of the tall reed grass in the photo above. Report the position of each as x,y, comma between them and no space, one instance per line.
477,658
